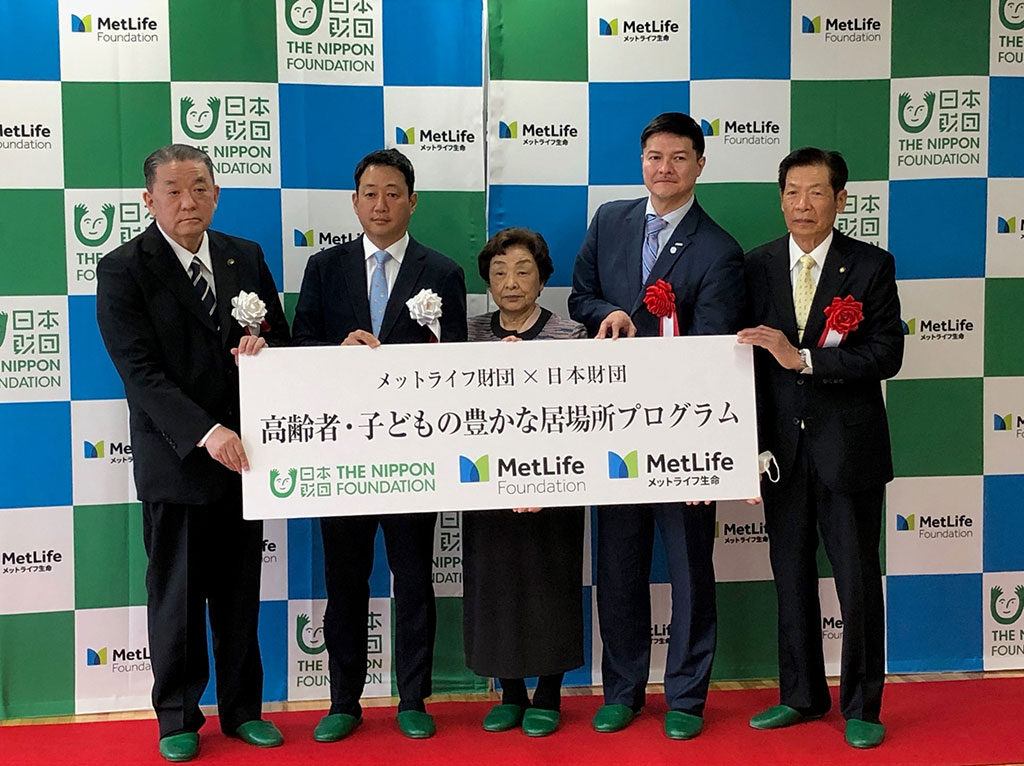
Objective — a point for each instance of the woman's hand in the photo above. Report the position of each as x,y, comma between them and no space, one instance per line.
525,510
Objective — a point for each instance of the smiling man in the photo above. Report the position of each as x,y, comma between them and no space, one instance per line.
355,294
163,303
825,319
630,245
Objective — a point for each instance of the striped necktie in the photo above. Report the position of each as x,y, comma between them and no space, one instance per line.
654,225
202,287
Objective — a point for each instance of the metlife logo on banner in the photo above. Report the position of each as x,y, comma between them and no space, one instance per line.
833,40
107,40
31,135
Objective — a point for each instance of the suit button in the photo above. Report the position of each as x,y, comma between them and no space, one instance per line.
796,421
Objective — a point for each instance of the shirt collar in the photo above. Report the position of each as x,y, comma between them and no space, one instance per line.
396,249
818,253
185,257
673,217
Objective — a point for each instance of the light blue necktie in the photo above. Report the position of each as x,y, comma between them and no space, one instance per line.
654,225
378,291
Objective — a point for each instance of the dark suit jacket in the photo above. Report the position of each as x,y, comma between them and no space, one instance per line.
705,271
178,372
334,299
841,403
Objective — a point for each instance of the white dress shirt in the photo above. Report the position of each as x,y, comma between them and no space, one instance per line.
391,266
185,257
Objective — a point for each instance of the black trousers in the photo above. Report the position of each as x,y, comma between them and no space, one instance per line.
348,561
625,539
203,556
850,525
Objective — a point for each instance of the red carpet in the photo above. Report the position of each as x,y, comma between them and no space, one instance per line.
949,722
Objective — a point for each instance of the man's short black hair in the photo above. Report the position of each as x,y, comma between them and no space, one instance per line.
391,158
838,173
174,153
506,239
679,124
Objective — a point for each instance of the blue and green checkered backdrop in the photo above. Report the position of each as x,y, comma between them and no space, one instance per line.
521,112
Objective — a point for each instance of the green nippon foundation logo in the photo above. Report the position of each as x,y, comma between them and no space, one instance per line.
474,471
92,229
283,486
303,16
1011,14
309,639
199,122
1006,609
623,466
915,117
3,328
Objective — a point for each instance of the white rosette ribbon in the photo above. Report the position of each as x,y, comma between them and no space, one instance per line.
425,308
250,311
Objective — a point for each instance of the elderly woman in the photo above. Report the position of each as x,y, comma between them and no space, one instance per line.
522,568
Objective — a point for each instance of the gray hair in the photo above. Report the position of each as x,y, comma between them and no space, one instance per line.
174,153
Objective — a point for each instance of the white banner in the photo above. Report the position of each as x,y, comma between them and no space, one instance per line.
334,431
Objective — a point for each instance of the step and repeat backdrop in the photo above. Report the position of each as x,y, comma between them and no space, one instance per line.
514,112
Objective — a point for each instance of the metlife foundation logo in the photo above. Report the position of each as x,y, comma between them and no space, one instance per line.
108,40
31,135
836,40
934,525
113,666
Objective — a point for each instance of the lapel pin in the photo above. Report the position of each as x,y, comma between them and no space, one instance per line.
842,269
231,261
672,249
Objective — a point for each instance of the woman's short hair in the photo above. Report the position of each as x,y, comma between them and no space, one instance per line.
515,236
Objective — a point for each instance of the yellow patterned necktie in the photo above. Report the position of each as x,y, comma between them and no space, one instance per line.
803,295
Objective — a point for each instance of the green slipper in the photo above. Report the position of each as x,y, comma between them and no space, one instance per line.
180,747
538,722
864,734
259,733
609,718
503,717
680,725
334,727
416,724
779,717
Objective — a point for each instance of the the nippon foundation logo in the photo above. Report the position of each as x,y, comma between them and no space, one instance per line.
856,29
1011,14
929,527
110,29
941,127
1006,608
303,17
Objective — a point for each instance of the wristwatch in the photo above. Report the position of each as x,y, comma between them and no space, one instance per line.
805,358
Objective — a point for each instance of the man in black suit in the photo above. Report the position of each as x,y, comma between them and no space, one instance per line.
630,245
164,303
355,294
827,332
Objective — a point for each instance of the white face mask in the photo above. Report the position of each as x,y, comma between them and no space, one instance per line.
766,464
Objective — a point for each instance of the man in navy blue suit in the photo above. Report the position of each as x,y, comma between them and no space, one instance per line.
355,294
631,244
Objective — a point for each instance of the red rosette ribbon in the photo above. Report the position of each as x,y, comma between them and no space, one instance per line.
844,316
264,327
661,301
